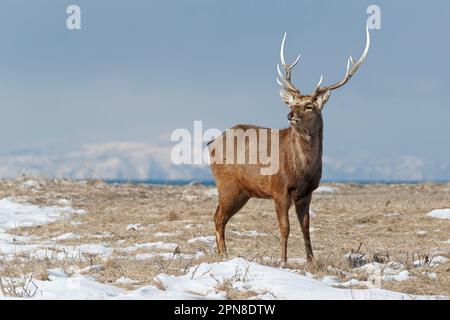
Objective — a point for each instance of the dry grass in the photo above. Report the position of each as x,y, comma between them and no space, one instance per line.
23,287
344,219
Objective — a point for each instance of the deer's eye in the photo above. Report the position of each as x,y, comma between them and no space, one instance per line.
309,107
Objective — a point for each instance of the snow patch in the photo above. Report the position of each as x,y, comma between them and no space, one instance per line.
251,233
64,202
391,214
205,239
296,260
401,276
151,245
56,273
167,255
166,234
66,236
126,280
326,189
133,226
211,192
437,260
440,214
95,249
14,214
31,184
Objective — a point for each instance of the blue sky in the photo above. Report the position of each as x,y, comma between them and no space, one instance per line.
139,69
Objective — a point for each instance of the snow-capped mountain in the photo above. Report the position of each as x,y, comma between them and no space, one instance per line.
110,161
382,168
140,161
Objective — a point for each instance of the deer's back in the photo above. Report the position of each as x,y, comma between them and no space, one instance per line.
247,176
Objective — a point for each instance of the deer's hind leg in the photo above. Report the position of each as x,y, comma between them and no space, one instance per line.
229,204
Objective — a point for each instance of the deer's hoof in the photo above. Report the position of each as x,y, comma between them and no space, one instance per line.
222,254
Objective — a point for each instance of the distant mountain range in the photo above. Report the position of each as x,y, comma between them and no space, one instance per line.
139,161
372,168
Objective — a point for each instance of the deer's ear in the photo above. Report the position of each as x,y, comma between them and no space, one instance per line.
287,97
322,99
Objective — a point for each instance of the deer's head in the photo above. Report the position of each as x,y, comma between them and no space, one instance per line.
306,110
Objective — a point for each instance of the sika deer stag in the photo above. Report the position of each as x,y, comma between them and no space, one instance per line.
300,159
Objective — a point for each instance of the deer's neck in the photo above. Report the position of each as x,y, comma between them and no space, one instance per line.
306,151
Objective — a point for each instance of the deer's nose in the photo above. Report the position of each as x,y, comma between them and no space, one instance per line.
290,115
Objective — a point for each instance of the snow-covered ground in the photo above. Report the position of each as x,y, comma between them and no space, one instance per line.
203,281
207,281
14,214
440,214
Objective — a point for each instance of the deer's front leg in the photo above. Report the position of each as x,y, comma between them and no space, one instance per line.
302,210
282,208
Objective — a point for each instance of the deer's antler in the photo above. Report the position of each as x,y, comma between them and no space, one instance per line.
285,80
352,67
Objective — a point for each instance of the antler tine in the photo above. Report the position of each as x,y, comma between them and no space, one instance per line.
352,67
285,80
283,61
320,82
